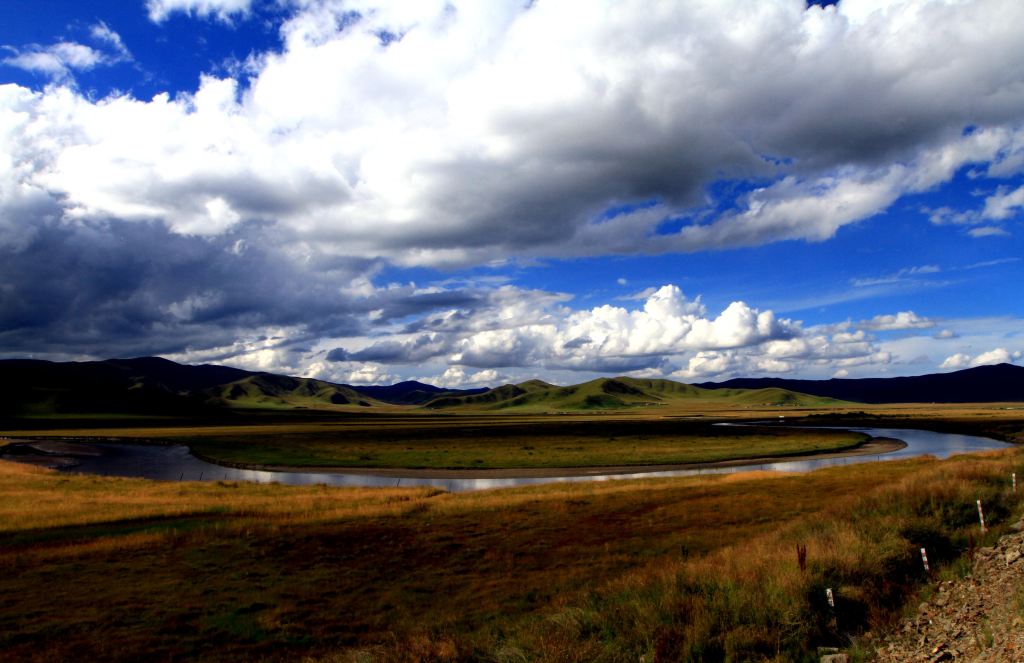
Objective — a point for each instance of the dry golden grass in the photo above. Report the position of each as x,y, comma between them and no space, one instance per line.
670,569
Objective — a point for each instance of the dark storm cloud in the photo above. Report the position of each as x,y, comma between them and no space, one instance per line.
338,354
118,288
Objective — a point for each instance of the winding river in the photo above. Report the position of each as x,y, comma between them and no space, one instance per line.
175,462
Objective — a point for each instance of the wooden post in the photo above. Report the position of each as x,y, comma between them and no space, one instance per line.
981,517
924,558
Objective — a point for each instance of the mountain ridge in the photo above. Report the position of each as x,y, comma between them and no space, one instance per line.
980,384
153,385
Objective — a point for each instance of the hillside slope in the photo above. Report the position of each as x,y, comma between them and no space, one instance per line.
154,386
984,384
617,393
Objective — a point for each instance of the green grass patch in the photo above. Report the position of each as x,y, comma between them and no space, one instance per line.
483,445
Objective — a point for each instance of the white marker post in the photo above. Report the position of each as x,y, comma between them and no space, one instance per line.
1014,476
831,599
924,558
981,517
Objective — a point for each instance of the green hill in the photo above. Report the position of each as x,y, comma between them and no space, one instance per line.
619,393
151,386
265,390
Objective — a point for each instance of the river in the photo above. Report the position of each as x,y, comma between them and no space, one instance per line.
175,462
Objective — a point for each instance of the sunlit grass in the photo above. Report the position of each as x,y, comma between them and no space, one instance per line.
672,569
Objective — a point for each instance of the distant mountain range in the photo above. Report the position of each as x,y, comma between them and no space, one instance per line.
984,384
155,386
414,393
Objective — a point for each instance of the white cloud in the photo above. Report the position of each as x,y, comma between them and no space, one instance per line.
455,377
667,324
905,275
899,321
669,335
945,334
102,33
59,61
988,231
492,130
56,60
995,356
225,10
1004,204
959,360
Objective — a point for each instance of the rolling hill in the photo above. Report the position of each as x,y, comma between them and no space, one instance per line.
411,392
617,393
155,386
983,384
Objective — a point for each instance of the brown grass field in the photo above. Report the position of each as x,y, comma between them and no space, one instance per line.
699,568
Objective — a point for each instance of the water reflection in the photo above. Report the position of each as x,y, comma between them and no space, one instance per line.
175,463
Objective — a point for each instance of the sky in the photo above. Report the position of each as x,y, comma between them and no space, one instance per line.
475,193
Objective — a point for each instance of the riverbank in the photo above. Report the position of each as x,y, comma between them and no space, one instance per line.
66,454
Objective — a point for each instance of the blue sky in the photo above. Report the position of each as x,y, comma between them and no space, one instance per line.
475,193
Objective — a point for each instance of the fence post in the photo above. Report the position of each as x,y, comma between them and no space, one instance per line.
981,517
924,558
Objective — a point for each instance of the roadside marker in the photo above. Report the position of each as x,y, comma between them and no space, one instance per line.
1014,475
831,598
981,517
924,558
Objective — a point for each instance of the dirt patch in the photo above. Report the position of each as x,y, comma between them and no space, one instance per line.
977,618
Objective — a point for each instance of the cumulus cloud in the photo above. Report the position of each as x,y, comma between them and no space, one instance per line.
225,10
508,129
668,335
995,356
457,377
249,216
899,321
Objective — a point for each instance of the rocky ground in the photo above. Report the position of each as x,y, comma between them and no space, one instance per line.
977,618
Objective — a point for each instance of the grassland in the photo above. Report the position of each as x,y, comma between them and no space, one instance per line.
98,568
487,445
482,442
441,440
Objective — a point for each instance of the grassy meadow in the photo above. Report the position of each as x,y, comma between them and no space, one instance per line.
698,568
487,445
432,440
